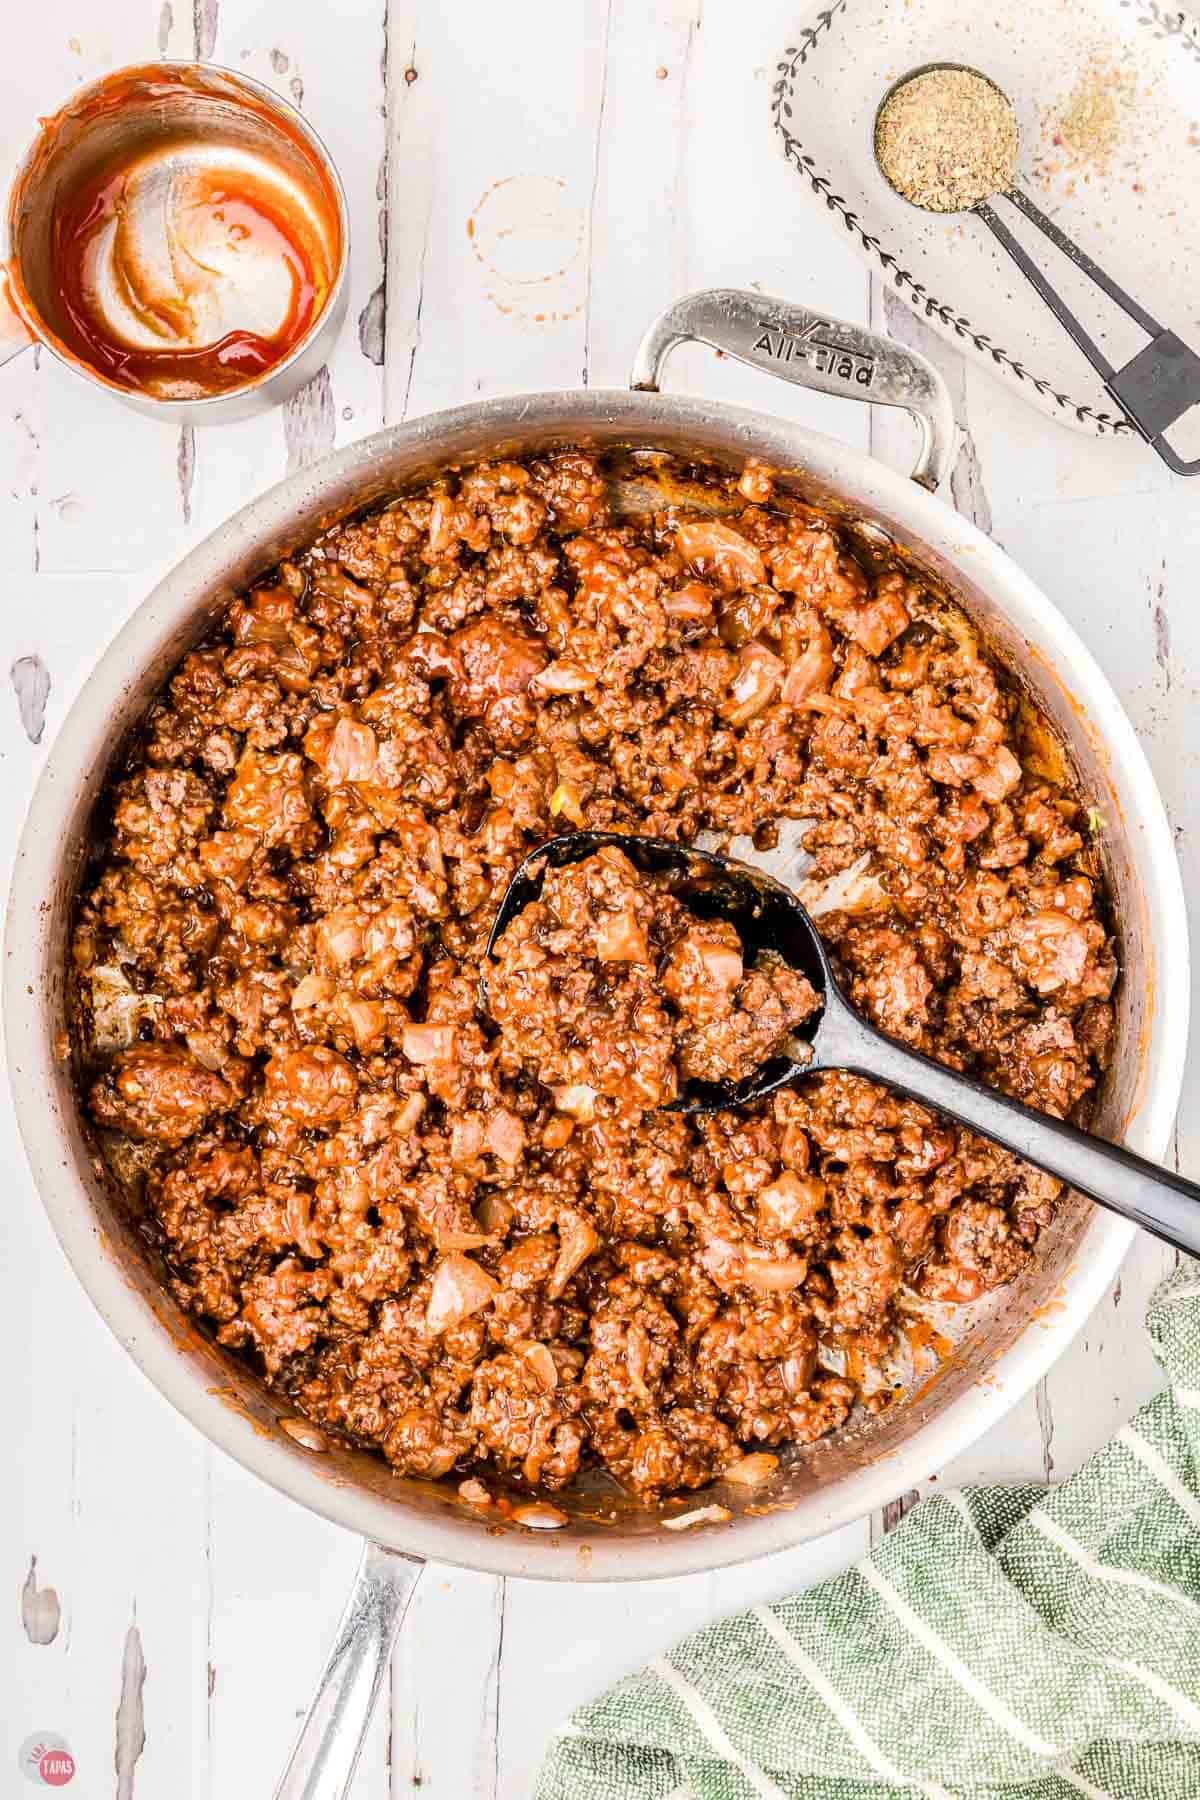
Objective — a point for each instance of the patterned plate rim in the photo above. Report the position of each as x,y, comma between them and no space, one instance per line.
1163,23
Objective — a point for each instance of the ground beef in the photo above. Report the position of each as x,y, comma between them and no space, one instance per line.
609,991
478,1242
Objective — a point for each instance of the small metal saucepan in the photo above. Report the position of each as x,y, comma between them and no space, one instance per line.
178,236
607,1536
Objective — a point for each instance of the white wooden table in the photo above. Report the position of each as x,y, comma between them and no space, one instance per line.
528,185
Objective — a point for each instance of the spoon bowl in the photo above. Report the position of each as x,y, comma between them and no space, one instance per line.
766,916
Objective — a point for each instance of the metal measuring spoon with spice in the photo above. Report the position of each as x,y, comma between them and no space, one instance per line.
947,140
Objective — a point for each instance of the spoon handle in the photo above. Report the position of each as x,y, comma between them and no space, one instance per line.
1157,1199
1157,385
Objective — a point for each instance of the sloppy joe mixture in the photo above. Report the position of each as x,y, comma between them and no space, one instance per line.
476,1239
607,986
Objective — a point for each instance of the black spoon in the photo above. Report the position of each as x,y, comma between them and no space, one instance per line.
767,917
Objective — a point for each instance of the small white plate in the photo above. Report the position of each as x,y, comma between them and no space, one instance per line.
1134,209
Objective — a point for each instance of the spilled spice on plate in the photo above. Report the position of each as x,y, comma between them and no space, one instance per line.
946,139
1098,115
1090,125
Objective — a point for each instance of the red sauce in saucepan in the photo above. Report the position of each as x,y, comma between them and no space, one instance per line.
195,256
251,224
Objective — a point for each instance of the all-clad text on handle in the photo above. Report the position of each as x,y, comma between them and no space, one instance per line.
814,351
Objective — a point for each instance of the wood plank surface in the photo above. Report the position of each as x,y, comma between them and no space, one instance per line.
527,188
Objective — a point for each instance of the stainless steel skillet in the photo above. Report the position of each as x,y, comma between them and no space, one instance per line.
1010,1342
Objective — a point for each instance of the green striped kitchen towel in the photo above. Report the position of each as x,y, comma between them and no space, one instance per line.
1026,1642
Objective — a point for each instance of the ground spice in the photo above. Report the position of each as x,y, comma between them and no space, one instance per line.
946,139
1091,124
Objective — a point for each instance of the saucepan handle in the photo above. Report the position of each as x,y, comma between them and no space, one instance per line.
814,351
323,1762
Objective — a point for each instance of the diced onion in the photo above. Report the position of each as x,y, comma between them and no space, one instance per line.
750,1470
460,1288
117,1008
879,623
786,1203
619,938
299,1222
734,1265
208,1052
428,1043
578,1101
797,1372
505,1136
637,1354
466,1138
1000,777
710,544
353,752
367,1019
541,1362
691,601
447,1238
722,963
538,1516
565,800
766,1276
409,1114
260,630
755,683
303,1433
312,991
341,936
809,674
563,677
703,1515
576,1241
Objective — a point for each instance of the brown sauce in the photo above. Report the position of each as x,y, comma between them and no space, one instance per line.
249,220
193,252
481,1244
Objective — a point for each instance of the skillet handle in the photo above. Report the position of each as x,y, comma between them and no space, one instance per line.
322,1765
813,351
